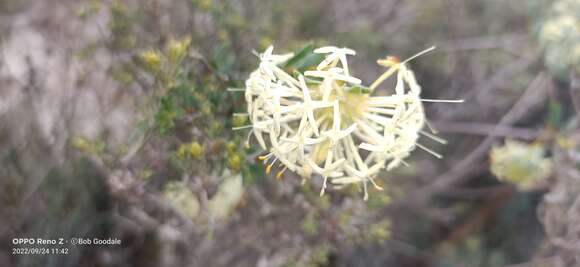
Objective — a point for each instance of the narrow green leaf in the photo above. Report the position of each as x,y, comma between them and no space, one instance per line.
304,59
359,89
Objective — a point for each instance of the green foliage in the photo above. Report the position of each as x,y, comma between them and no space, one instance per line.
310,224
173,92
378,232
152,61
120,25
177,50
94,147
222,59
555,114
318,256
191,150
359,89
167,113
304,59
252,173
379,200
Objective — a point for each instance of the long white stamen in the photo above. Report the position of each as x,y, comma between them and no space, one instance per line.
242,127
434,137
419,54
429,151
443,100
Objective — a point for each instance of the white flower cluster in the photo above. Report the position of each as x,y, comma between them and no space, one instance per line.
324,122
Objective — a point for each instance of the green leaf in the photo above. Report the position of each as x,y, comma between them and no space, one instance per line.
223,59
251,173
304,58
166,115
359,89
300,55
554,114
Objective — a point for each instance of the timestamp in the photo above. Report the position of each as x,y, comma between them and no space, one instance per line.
40,251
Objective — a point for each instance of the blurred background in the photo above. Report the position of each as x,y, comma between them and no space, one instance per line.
115,122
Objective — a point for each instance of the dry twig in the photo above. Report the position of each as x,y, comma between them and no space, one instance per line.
486,129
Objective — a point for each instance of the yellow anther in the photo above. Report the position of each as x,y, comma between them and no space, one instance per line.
280,173
268,169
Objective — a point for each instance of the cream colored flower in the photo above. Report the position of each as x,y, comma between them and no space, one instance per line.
321,125
524,165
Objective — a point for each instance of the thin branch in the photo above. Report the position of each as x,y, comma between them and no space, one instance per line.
486,129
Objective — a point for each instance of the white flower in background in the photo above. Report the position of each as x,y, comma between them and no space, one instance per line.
325,123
